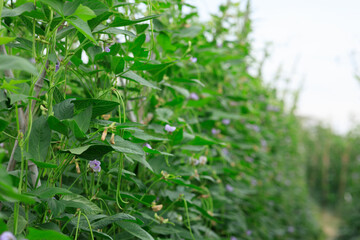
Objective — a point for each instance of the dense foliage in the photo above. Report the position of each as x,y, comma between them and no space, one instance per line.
134,120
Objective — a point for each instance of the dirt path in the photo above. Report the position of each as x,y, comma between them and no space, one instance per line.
330,224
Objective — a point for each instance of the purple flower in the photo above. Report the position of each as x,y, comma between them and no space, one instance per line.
147,145
215,131
194,161
249,159
194,96
169,128
233,238
225,151
219,44
7,236
202,160
229,188
226,121
253,182
193,59
57,66
95,165
263,143
271,108
107,49
291,229
253,127
248,232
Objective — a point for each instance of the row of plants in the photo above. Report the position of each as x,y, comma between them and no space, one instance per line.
134,120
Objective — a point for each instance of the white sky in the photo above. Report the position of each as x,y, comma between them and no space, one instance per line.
314,42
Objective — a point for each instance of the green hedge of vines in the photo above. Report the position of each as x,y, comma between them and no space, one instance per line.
137,121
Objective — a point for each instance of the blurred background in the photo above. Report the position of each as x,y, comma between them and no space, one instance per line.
311,47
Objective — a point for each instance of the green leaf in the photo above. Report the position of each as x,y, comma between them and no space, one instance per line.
199,140
147,137
82,27
26,7
135,230
134,77
56,125
10,194
140,159
36,234
84,13
3,124
57,5
21,224
39,140
111,219
78,133
16,63
78,201
113,30
44,164
91,152
99,107
165,42
44,192
83,119
119,22
64,109
124,146
164,114
5,40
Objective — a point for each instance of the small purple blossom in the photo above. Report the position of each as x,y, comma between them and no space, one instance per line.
219,44
57,66
95,165
233,238
291,229
229,188
194,161
194,96
271,108
215,131
249,159
225,151
193,59
202,160
226,121
253,127
147,145
7,236
253,182
248,232
107,49
169,128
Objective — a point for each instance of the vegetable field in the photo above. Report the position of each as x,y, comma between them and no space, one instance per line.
135,120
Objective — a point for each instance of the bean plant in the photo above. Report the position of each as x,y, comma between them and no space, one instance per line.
135,120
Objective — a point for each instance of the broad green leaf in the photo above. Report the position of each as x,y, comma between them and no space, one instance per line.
99,107
26,7
57,5
140,159
56,125
199,140
3,124
78,201
20,225
135,230
84,13
119,22
134,77
82,27
44,164
111,219
37,234
125,146
164,114
16,63
64,109
44,192
83,119
39,140
91,152
78,133
113,30
10,194
147,137
5,40
165,42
